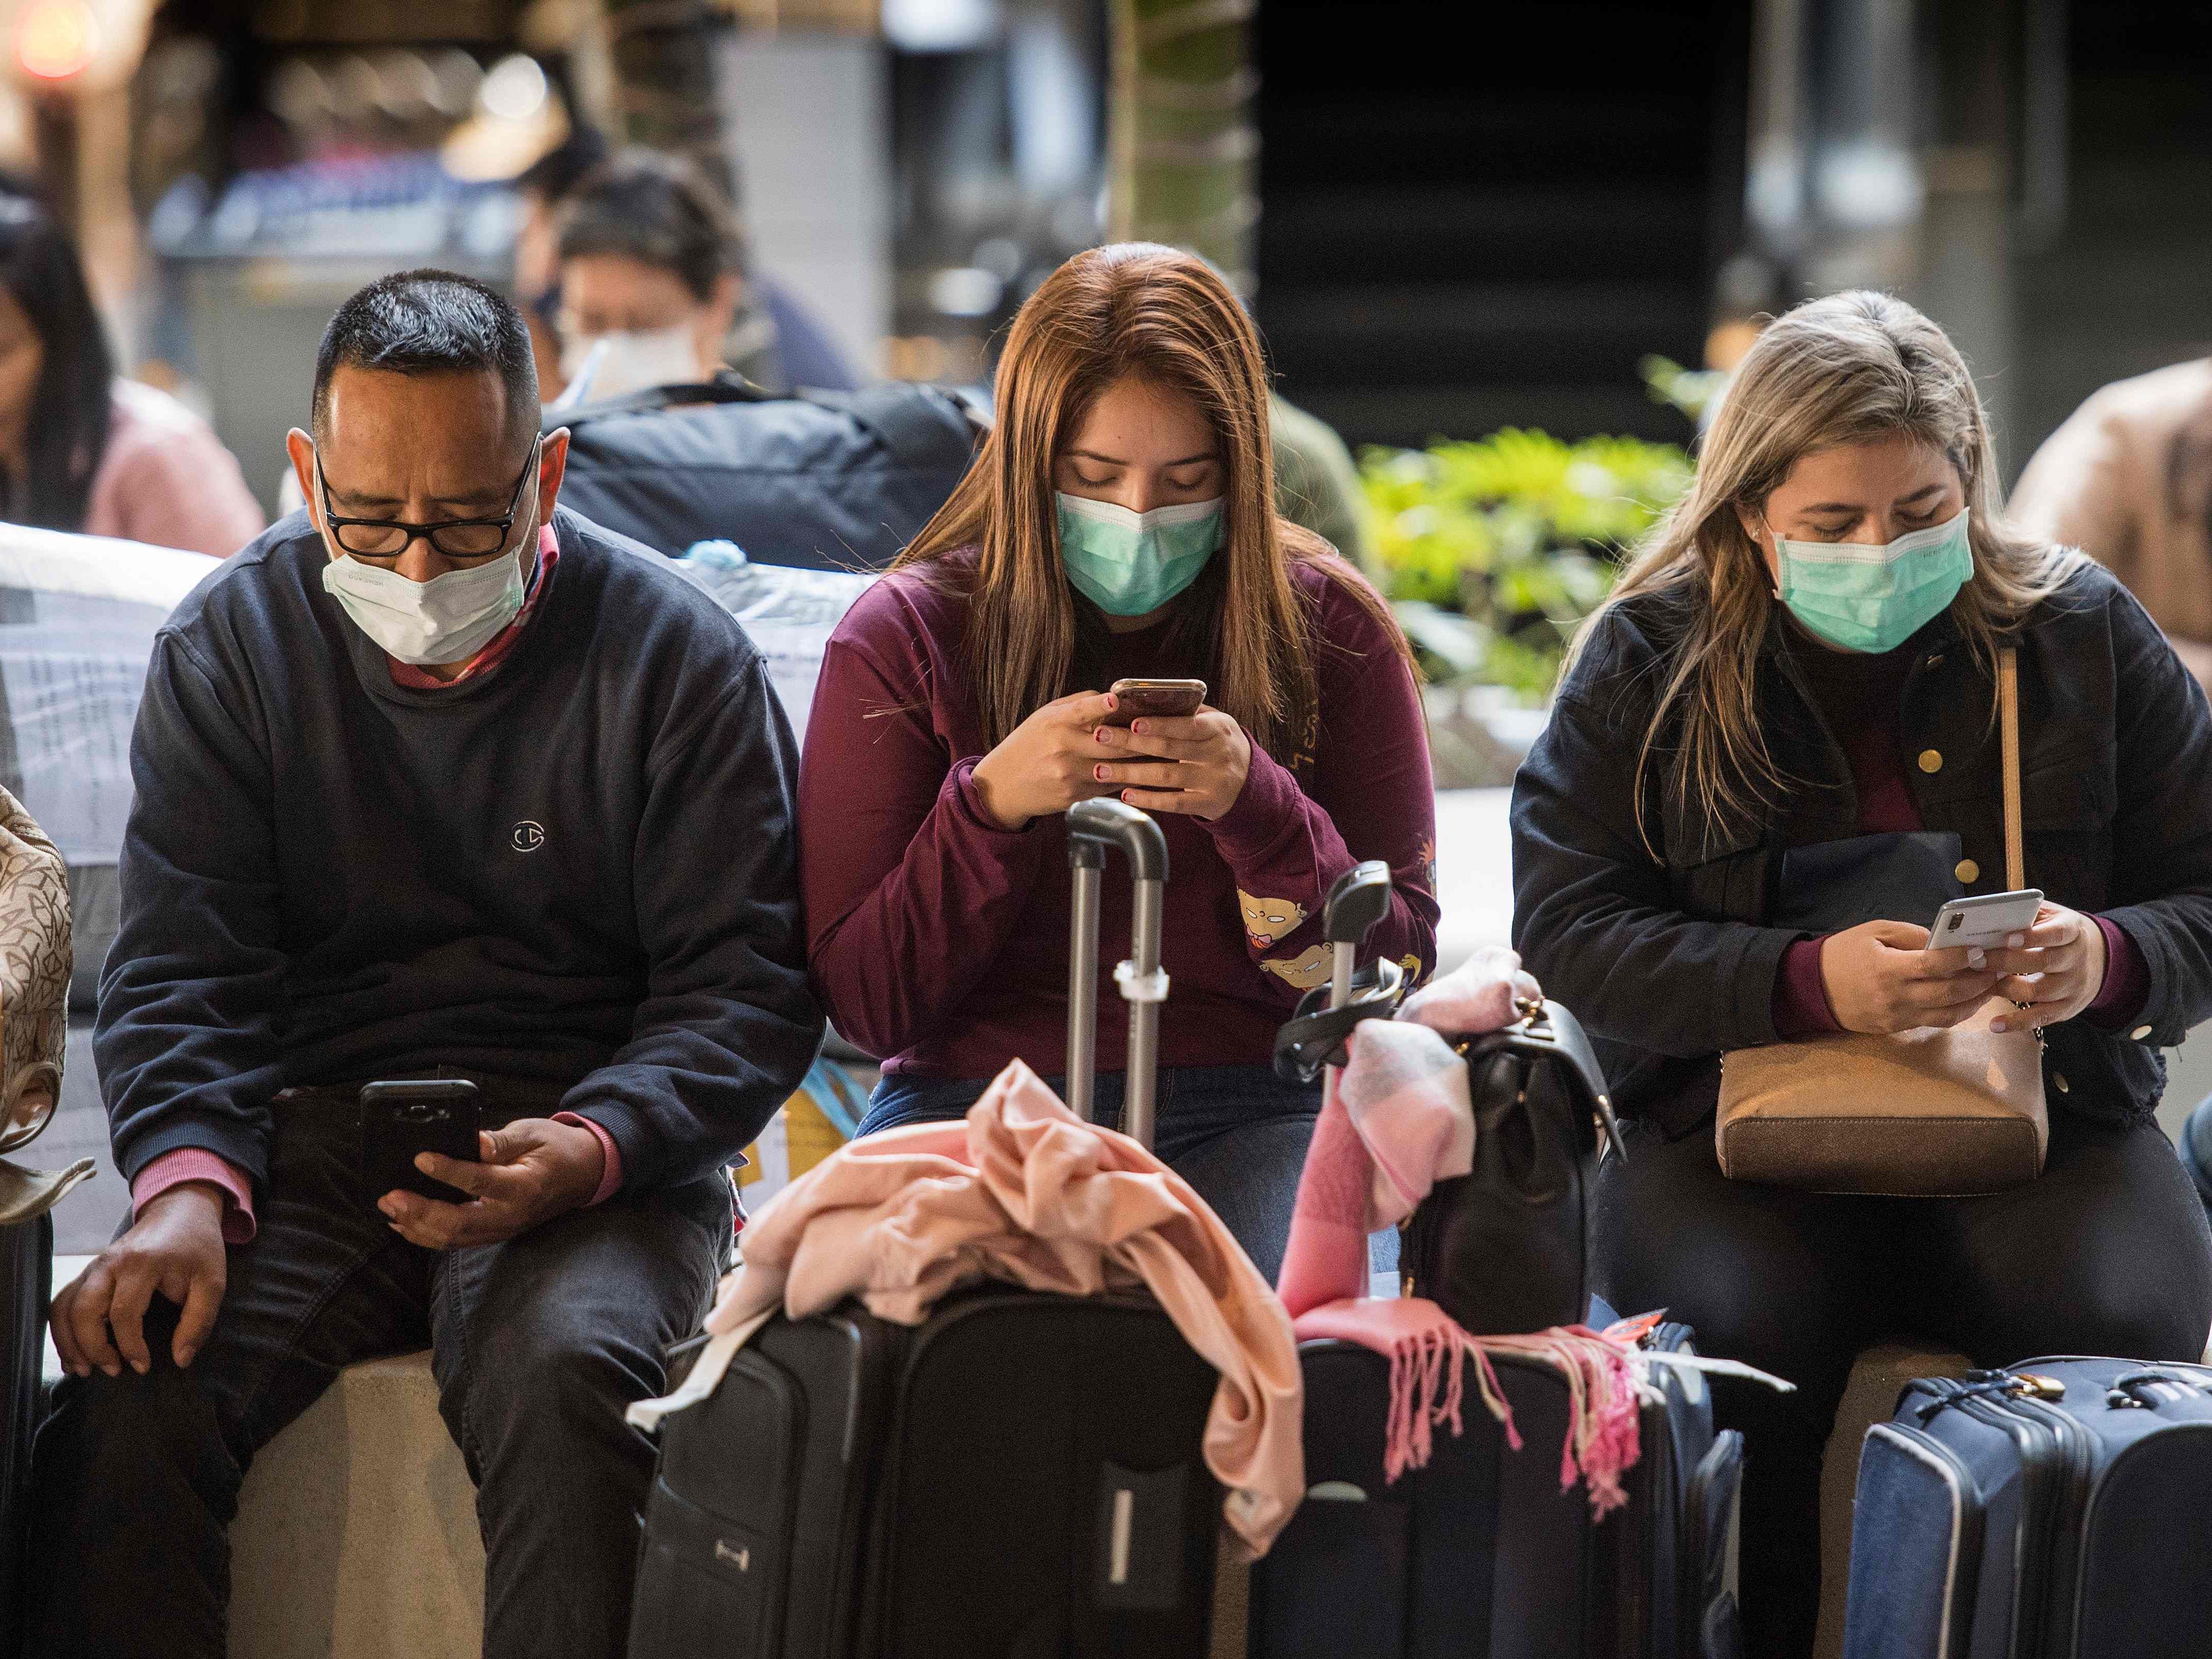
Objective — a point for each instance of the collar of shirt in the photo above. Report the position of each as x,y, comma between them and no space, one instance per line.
495,648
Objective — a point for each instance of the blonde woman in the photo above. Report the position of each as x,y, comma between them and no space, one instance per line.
1118,523
1774,756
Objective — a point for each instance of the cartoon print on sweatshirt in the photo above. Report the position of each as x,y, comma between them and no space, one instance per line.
1306,969
1266,919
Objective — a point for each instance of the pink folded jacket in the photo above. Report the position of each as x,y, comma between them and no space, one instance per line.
1025,1192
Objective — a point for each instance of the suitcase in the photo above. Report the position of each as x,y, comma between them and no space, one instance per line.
2060,1510
1480,1554
27,1252
823,480
1019,1475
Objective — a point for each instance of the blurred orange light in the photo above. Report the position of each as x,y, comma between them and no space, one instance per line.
56,39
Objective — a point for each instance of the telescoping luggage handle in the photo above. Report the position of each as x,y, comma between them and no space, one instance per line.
1314,1037
1094,828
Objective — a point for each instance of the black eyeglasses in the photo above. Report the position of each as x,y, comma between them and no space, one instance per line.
457,538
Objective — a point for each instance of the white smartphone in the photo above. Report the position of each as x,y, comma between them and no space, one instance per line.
1985,920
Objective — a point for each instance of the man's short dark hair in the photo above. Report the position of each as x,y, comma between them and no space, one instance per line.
658,210
431,322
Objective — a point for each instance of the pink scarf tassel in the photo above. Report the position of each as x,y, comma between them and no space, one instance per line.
1602,1371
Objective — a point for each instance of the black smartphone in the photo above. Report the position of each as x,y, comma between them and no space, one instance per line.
399,1120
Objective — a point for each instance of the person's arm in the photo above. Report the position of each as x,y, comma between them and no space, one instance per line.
2080,489
2161,832
194,985
727,1027
911,888
183,488
1594,916
1373,796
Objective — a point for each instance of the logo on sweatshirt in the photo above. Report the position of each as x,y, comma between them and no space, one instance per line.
529,835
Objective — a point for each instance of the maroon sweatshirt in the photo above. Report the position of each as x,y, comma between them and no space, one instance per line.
938,941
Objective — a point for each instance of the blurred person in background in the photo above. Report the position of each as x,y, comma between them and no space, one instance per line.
82,449
1120,521
649,257
679,223
2127,479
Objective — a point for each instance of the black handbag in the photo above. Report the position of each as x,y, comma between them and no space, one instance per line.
1505,1248
822,480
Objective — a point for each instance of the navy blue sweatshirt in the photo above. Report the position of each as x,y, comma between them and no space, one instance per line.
576,868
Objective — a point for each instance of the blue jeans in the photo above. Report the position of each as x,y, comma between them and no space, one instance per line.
1237,1134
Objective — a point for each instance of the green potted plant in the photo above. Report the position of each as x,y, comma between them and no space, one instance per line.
1493,553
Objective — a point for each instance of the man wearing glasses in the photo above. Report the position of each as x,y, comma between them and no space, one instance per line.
433,782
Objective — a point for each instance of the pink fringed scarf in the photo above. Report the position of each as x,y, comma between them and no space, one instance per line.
1428,1353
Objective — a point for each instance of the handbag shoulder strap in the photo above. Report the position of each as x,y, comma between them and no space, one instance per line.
2008,721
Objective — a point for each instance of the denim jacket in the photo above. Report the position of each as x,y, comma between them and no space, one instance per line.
1665,950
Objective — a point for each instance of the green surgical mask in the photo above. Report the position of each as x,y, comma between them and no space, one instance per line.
1865,598
1129,563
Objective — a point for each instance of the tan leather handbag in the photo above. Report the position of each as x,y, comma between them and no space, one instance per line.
1919,1113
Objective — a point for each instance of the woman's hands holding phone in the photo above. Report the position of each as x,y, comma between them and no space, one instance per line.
1195,764
1047,763
1881,977
2057,968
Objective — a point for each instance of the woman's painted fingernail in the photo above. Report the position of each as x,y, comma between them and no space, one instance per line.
1098,772
1139,728
1999,1026
1974,957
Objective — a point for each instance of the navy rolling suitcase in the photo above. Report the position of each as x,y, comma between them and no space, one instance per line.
1480,1555
1020,1476
2060,1510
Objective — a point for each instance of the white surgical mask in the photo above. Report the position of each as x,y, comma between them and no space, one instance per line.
633,362
447,619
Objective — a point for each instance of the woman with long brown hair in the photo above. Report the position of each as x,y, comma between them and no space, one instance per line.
1775,756
1118,523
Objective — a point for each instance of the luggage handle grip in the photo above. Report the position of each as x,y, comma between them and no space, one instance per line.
1094,828
1104,823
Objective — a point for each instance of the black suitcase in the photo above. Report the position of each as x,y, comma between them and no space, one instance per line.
823,480
2060,1510
1019,1475
27,1253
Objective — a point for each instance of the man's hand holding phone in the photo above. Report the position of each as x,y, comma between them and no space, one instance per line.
527,1173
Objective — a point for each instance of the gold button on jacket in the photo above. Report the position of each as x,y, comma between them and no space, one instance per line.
1930,761
1968,871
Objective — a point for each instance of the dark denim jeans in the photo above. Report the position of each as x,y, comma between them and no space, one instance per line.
539,1344
1237,1134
